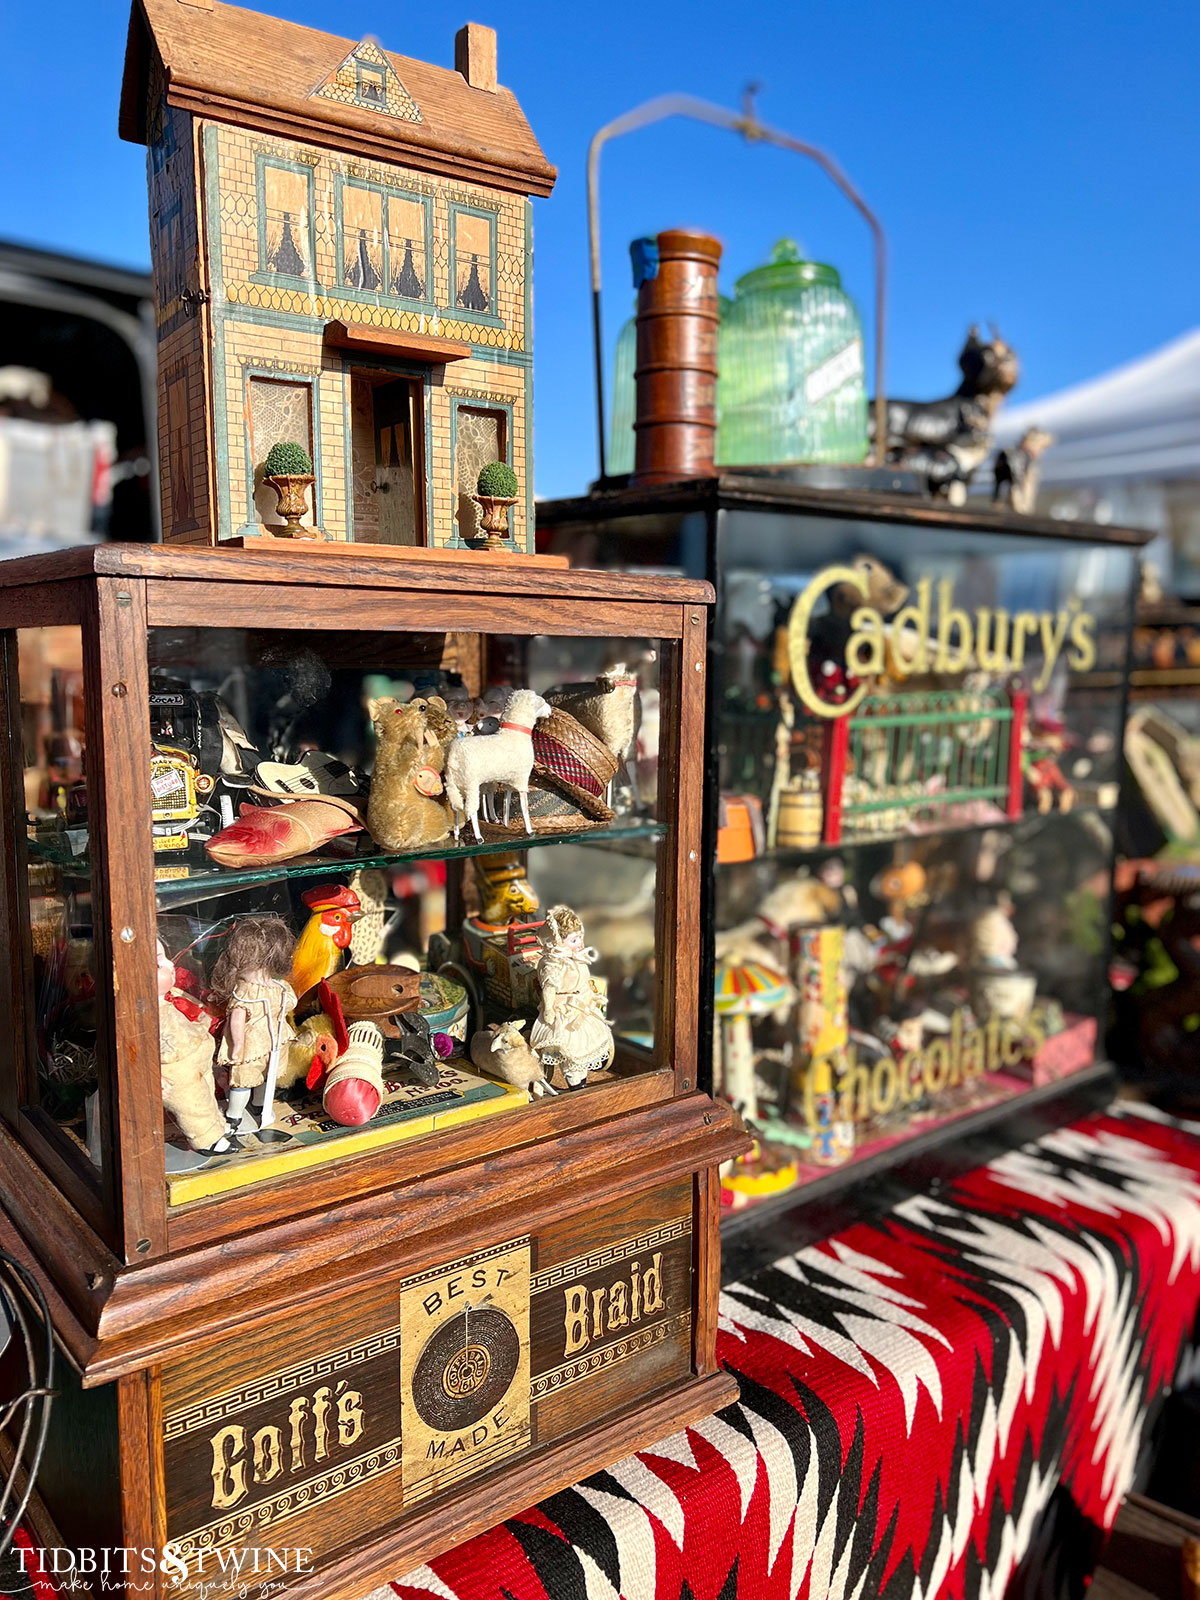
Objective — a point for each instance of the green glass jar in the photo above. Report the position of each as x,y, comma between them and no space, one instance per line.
790,357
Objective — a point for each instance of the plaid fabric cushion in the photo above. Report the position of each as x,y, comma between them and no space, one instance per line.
556,758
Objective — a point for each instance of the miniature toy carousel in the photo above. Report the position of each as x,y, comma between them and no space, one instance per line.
351,1117
912,781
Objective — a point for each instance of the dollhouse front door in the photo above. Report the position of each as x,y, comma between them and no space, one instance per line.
397,485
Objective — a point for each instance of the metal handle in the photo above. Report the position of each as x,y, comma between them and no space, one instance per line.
755,132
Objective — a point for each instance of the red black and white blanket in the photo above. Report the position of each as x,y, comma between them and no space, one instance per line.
946,1401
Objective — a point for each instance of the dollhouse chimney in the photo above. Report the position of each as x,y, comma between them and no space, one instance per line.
475,55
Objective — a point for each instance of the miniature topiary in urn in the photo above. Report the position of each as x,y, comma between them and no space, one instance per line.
496,489
289,471
287,460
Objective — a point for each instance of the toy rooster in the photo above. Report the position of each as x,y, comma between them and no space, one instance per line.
326,935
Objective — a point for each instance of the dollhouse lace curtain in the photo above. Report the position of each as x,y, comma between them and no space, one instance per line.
480,440
280,413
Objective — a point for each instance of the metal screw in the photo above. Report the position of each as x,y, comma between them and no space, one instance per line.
127,936
93,1279
119,690
707,1119
691,855
124,599
687,1083
142,1246
699,666
695,620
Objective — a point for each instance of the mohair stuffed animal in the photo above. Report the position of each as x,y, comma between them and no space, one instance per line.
406,809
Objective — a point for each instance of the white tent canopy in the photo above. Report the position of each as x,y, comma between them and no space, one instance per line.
1140,421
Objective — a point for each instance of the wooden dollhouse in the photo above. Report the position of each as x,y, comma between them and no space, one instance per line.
342,253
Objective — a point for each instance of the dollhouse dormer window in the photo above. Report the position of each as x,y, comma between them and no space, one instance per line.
371,84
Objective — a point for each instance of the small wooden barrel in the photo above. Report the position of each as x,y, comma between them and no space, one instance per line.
800,818
676,371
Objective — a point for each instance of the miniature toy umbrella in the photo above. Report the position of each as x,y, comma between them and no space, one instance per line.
745,989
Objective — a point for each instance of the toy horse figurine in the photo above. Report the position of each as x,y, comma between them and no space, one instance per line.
947,440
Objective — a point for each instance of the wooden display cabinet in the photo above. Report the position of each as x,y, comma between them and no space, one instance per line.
283,1359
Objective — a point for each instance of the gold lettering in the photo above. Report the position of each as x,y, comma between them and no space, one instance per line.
1023,623
652,1293
991,659
350,1419
856,1095
937,1066
322,1404
972,1053
575,1319
1054,631
956,1050
228,1469
798,639
910,1073
1083,658
866,653
916,619
268,1454
597,1313
296,1416
618,1315
949,619
883,1099
1012,1044
636,1273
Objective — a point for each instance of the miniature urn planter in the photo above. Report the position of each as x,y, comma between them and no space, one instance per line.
493,518
291,492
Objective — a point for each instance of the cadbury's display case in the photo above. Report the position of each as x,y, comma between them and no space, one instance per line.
397,1287
915,732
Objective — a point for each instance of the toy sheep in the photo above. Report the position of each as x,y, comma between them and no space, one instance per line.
502,1051
505,757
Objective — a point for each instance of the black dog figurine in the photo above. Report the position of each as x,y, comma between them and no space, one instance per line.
947,440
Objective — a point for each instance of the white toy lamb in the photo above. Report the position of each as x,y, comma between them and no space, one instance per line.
504,757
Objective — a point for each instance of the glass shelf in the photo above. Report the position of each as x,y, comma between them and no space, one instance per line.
205,881
800,855
201,880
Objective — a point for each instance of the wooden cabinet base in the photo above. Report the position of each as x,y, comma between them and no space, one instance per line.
344,1436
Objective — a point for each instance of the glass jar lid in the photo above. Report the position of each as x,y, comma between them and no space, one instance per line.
787,270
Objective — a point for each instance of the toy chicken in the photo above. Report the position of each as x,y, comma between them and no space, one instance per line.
326,935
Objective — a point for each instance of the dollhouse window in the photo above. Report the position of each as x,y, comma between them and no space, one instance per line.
285,220
371,84
480,435
384,241
280,413
473,260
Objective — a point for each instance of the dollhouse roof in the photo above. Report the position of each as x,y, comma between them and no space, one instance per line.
238,66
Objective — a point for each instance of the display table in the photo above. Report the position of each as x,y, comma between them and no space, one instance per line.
930,1403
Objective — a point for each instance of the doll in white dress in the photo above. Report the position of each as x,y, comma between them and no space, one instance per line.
571,1031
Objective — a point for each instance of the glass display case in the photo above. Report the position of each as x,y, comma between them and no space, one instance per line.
915,735
1156,980
352,972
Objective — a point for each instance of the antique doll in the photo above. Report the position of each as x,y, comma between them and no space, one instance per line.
250,983
570,1031
186,1048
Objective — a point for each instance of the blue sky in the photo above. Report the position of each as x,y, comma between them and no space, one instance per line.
1033,165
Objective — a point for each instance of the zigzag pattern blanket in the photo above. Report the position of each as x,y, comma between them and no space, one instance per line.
948,1401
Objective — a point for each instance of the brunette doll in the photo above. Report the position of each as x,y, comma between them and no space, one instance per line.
250,986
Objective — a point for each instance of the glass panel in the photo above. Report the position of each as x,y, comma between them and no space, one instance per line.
280,413
918,735
473,261
480,437
406,248
62,1037
362,238
286,242
302,833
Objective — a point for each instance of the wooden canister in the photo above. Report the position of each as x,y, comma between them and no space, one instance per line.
800,817
676,370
